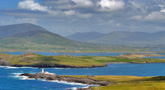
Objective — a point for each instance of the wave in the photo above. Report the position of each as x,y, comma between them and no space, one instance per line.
12,67
16,75
62,68
75,88
70,83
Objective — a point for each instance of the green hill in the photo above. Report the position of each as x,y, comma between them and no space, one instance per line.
33,37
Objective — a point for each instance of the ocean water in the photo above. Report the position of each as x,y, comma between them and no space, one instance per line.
9,79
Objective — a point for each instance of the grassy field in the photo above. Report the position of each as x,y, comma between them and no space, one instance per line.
77,61
129,82
132,83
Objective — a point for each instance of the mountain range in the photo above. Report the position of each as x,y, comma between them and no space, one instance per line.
30,37
122,38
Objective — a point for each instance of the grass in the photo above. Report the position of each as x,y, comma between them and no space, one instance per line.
79,61
135,86
128,82
53,45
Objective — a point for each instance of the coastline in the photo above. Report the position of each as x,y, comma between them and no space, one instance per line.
70,67
84,86
86,82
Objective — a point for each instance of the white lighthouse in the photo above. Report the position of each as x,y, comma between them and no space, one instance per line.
45,72
42,71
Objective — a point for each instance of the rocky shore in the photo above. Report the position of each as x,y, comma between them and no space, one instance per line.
51,77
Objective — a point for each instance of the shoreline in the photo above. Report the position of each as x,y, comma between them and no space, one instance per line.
88,83
72,67
84,86
58,66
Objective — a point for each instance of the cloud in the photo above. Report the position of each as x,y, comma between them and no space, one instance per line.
155,16
111,5
70,12
137,17
163,11
83,3
27,20
84,15
31,5
138,6
5,20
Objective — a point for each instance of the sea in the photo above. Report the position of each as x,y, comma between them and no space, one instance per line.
10,80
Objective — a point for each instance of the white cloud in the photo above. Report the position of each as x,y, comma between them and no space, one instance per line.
12,20
163,11
137,17
111,5
27,20
155,16
138,6
70,12
83,15
83,3
31,5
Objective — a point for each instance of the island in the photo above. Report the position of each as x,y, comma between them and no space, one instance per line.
30,59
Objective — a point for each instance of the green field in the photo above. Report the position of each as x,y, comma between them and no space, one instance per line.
128,82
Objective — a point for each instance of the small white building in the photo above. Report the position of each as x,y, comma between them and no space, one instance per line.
45,72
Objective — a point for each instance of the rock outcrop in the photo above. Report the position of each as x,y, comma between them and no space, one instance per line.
28,54
66,78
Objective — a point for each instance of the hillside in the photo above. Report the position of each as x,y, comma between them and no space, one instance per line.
82,37
32,37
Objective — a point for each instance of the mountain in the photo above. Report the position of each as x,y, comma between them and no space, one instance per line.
82,37
32,37
17,28
32,33
131,38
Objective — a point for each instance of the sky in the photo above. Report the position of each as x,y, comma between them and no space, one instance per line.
66,17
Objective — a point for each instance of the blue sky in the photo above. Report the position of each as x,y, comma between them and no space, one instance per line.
8,4
66,17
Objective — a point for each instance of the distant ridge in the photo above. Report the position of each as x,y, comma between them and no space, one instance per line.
131,39
85,36
125,38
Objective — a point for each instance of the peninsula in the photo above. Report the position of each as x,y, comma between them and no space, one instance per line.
107,82
65,61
